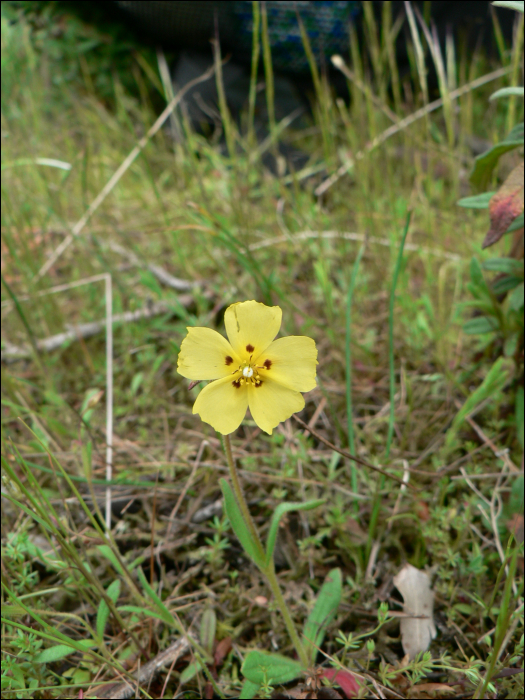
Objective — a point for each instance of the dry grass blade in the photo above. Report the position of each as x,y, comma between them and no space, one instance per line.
77,228
407,121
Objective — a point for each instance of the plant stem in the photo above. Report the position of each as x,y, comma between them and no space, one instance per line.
269,570
273,582
240,495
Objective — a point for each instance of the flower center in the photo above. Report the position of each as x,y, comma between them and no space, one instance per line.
248,373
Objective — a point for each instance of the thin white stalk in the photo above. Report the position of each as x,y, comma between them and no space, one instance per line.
109,397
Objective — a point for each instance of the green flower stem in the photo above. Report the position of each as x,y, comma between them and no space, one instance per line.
269,570
271,577
240,495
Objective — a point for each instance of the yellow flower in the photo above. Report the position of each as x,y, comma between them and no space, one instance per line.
252,370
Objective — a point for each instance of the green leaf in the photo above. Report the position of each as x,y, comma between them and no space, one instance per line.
109,554
511,344
190,671
478,201
239,527
516,300
281,509
324,611
113,592
486,162
161,608
497,376
141,611
476,275
505,284
208,629
508,265
480,325
506,92
249,690
59,651
520,416
262,667
510,4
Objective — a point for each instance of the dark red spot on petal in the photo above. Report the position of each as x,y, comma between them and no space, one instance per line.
258,383
237,384
228,360
250,348
267,364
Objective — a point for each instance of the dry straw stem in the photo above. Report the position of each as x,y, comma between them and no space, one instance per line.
146,673
350,236
403,123
77,228
12,353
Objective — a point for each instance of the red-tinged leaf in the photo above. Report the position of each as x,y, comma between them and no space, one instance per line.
222,650
505,206
344,679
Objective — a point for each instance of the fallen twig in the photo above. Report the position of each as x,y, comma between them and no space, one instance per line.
352,457
146,672
13,352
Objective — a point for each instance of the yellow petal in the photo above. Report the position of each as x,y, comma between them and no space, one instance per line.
206,354
222,405
251,327
272,403
292,362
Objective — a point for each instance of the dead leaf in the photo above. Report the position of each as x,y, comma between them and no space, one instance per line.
505,206
416,632
423,690
222,650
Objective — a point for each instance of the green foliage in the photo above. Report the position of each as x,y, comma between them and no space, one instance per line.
75,100
261,667
238,524
278,513
323,613
486,162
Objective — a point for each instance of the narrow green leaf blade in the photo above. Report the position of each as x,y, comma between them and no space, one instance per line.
238,525
497,376
208,629
190,672
517,300
480,325
324,611
261,667
478,201
113,592
506,92
506,284
60,651
141,611
485,163
161,608
508,265
281,509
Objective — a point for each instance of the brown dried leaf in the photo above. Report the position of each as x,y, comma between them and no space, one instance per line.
424,690
222,650
505,206
418,630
